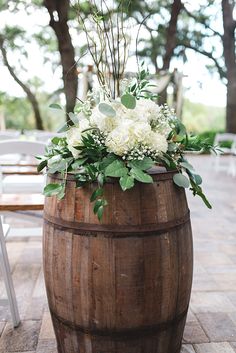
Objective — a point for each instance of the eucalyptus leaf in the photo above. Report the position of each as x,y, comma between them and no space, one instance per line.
181,180
198,179
55,106
187,165
106,109
128,101
63,128
74,118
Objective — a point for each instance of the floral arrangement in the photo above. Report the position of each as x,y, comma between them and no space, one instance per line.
122,138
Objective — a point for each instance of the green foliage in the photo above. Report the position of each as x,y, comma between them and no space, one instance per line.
192,179
181,180
126,182
140,175
55,106
53,190
107,109
210,137
99,208
128,101
199,118
93,166
17,112
144,164
116,169
138,88
97,193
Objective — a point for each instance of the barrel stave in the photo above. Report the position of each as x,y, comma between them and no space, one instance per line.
122,286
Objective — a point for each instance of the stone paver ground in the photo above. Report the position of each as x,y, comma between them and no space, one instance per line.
211,323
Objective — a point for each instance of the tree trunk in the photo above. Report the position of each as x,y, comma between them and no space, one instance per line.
171,42
230,63
231,107
30,95
58,11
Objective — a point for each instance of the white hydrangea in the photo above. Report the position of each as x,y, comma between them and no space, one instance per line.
146,109
140,131
102,122
74,136
130,134
157,142
84,124
145,125
121,140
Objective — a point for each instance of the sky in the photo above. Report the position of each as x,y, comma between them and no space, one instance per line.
200,85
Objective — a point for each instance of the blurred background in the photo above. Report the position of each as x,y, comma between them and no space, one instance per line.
189,48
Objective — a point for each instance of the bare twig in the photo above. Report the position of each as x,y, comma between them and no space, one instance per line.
107,43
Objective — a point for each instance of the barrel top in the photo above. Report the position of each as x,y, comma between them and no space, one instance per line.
156,175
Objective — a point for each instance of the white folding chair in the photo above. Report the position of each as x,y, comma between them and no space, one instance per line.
15,202
21,183
232,166
43,136
8,135
218,160
6,272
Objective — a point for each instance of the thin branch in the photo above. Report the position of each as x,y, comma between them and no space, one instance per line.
208,54
137,38
196,18
31,96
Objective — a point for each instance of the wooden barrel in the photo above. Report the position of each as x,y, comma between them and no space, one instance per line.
123,285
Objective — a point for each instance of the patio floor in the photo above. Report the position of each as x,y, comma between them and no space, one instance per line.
211,324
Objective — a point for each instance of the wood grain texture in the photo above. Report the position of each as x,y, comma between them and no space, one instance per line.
21,202
122,286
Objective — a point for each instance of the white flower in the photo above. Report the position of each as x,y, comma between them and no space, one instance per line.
157,142
84,124
146,125
102,122
140,131
74,136
120,140
146,109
